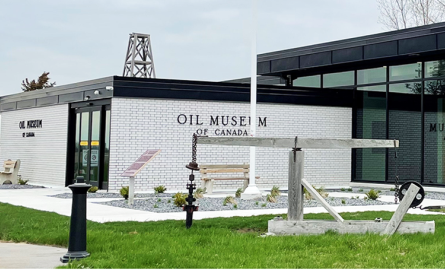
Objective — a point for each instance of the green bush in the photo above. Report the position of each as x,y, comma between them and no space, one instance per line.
343,189
343,201
349,189
160,189
93,189
229,199
271,198
238,193
199,193
275,191
22,182
124,192
320,190
179,199
372,195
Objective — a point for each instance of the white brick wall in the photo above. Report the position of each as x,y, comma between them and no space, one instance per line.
140,124
43,157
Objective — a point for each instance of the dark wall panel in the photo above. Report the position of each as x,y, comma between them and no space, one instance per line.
8,106
347,55
263,67
441,41
71,97
47,100
29,103
103,94
315,60
379,50
285,64
418,44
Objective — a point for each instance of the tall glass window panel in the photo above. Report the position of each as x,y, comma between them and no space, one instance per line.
370,164
435,68
434,132
77,160
405,72
107,148
308,81
405,125
94,156
372,75
84,144
338,79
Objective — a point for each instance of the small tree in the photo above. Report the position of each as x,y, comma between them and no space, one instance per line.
42,83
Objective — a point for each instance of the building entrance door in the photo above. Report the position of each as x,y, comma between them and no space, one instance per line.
91,144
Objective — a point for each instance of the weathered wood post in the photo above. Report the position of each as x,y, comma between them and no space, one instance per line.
295,189
131,191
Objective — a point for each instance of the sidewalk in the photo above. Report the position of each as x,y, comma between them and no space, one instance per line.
13,255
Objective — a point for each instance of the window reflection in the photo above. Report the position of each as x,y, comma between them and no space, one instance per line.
338,79
372,75
435,68
309,81
405,72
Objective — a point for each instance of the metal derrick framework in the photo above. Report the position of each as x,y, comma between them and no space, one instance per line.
139,60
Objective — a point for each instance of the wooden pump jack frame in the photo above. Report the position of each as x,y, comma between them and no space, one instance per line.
295,225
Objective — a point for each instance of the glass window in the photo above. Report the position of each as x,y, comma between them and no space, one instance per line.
372,75
435,68
406,88
309,81
435,87
370,164
374,88
405,72
338,79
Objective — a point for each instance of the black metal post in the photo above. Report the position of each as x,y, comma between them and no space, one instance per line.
78,227
193,166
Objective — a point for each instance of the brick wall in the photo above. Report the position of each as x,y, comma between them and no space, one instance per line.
140,124
43,157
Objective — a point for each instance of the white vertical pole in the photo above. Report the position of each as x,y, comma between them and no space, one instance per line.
131,191
252,191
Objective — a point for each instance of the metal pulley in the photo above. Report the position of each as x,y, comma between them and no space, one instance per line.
419,196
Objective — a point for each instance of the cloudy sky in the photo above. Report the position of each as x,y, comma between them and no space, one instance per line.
191,39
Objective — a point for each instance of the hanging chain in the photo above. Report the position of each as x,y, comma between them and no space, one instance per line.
396,182
194,144
193,165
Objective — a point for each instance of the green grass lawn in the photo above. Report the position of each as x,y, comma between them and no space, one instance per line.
227,243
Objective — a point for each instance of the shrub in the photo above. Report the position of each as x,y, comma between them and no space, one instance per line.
179,199
271,198
93,189
155,206
343,189
238,193
392,189
320,190
257,203
229,199
199,193
361,190
372,195
160,189
275,191
343,201
22,182
124,192
264,205
349,189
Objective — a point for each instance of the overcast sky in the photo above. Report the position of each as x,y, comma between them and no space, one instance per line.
191,39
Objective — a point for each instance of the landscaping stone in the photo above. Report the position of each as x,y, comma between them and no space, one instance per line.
15,186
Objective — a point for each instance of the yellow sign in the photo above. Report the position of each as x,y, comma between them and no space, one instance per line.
94,143
84,143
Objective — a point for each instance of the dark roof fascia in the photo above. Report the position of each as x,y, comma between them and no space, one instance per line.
222,91
57,90
69,93
354,42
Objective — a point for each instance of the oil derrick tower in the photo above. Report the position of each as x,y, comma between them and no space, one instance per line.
139,59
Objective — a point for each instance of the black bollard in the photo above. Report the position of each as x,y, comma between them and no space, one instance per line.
77,245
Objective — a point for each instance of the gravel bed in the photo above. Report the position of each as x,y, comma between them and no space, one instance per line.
110,195
19,186
165,204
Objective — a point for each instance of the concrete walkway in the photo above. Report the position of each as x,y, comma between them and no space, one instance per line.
21,255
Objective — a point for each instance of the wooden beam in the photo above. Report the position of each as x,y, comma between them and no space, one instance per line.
305,143
398,215
323,202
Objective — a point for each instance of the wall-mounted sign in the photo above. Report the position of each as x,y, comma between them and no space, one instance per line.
220,125
30,124
94,157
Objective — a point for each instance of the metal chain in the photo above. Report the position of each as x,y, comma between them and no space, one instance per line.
194,146
396,182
